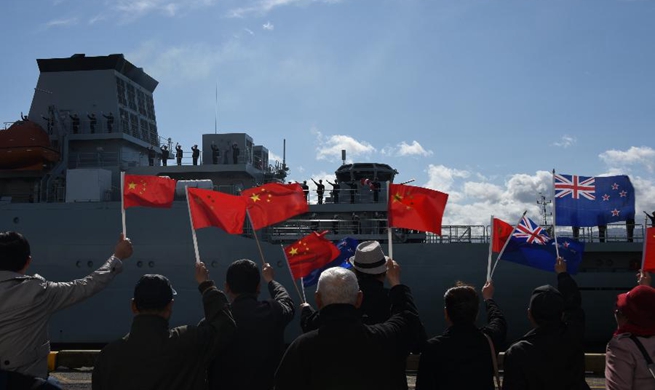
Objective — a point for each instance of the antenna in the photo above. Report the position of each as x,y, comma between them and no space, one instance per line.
284,154
541,201
343,156
216,110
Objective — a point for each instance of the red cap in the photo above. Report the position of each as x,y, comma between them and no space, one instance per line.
638,306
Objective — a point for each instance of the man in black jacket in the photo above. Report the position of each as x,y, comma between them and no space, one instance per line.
462,356
369,265
250,360
344,353
152,356
551,355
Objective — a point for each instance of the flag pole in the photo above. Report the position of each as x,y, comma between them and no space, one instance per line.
491,243
302,288
554,216
254,233
286,259
389,227
193,231
123,204
507,242
643,251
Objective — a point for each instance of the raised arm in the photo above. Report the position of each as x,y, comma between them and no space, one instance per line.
496,327
64,294
278,293
574,315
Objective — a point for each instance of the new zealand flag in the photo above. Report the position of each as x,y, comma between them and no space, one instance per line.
531,245
593,201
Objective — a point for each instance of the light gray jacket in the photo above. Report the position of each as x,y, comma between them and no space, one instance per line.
26,304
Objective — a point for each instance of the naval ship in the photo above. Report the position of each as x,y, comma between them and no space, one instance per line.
92,118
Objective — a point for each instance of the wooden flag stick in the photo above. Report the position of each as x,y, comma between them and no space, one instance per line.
193,231
491,244
254,233
554,220
123,204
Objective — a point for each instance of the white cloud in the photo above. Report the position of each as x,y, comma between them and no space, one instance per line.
249,31
262,7
635,156
565,141
415,149
442,178
268,26
61,23
330,147
134,9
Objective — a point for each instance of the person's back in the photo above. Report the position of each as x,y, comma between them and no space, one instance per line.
461,357
251,358
344,353
152,356
551,355
28,302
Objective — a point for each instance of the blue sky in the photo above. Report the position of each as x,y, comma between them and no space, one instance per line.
477,98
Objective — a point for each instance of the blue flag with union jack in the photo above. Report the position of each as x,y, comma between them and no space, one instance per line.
593,201
531,245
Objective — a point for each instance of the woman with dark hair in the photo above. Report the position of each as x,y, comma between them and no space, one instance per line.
630,353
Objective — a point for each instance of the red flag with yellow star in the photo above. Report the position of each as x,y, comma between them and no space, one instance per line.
213,208
148,191
309,253
273,203
501,233
649,250
416,208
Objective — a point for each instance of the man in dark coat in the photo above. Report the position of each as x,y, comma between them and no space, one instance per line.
305,190
164,155
551,355
250,360
179,153
462,356
195,153
369,265
152,356
344,353
320,190
151,156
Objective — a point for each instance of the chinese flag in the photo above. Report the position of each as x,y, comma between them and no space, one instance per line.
273,203
649,250
501,232
416,208
309,253
148,191
213,208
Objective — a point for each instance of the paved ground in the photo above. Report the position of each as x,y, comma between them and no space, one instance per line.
80,379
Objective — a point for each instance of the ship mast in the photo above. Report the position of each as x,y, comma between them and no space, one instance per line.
541,201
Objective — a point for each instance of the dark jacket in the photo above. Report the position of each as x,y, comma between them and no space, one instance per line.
152,356
550,356
344,353
250,360
376,309
460,358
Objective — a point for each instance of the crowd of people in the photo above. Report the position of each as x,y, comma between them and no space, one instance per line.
358,191
358,337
